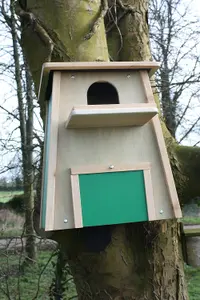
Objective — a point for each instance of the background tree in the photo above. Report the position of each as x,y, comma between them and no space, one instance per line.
23,116
143,261
174,33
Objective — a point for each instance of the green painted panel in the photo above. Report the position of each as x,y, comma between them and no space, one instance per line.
113,198
46,160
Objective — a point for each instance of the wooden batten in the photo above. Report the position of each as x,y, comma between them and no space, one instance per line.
149,195
110,168
76,198
162,149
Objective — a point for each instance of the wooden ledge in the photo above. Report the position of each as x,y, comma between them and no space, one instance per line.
94,116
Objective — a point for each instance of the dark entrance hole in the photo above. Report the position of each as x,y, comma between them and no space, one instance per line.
102,93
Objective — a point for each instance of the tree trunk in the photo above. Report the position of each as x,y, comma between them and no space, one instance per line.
133,261
28,172
26,134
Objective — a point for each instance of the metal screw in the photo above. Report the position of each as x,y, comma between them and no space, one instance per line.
72,76
128,76
111,167
161,211
65,220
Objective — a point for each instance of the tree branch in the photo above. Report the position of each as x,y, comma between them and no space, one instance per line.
95,26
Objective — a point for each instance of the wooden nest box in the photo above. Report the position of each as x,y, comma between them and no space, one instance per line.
105,160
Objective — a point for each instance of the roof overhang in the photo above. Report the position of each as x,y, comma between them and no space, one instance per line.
49,67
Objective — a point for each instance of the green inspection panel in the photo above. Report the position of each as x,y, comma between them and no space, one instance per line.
113,198
46,164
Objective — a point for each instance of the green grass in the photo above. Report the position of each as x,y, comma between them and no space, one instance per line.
191,220
24,286
192,232
33,283
6,196
193,280
28,285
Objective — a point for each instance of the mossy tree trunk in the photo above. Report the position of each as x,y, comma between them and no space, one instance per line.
143,260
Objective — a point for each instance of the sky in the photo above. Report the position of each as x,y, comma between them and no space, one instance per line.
9,102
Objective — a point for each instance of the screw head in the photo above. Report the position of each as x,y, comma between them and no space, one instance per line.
111,167
161,211
65,220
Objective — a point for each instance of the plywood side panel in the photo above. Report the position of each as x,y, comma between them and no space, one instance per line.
162,150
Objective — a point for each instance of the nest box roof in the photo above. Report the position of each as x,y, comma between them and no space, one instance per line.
49,67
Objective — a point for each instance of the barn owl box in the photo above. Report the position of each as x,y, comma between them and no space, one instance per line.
105,160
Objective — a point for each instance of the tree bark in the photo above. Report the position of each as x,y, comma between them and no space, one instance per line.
133,261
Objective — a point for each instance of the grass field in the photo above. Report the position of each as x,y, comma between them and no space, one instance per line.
11,224
6,196
34,283
191,220
193,281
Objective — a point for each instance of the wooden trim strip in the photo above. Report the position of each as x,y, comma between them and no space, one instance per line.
50,208
149,97
162,149
149,195
76,199
109,168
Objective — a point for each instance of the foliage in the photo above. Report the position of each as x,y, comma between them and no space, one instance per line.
16,204
6,196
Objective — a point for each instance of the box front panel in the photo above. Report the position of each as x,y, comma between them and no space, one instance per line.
103,146
113,198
